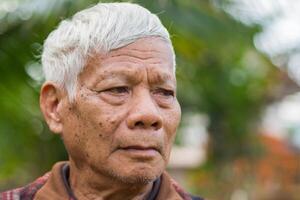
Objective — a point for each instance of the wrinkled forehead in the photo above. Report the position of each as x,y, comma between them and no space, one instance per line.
154,54
143,48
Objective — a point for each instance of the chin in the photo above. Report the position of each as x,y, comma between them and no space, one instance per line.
137,175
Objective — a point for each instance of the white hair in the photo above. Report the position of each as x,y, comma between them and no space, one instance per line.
101,28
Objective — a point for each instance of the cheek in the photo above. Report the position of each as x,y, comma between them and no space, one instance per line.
98,114
97,123
171,122
86,140
110,121
75,138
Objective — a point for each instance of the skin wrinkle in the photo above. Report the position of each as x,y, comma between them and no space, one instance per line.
134,77
102,123
135,56
161,78
122,55
108,74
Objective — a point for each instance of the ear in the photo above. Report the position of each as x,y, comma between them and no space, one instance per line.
50,99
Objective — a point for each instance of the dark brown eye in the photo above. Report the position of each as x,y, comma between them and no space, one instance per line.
164,92
118,90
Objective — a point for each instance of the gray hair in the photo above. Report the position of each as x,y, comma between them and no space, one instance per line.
101,28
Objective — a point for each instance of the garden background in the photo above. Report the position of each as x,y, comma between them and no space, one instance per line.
238,83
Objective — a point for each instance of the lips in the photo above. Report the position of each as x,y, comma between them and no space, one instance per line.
139,152
139,147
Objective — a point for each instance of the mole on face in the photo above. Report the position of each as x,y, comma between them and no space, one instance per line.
112,75
77,138
112,121
84,96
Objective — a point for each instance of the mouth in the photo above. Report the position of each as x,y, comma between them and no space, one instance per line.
141,148
140,151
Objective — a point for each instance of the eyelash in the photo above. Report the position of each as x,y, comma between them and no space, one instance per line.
117,90
165,92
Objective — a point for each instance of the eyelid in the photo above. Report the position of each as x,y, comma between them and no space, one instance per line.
114,89
108,89
169,92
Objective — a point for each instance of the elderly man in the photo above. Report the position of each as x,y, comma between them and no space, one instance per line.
110,93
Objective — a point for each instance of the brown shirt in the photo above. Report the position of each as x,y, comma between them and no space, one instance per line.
54,186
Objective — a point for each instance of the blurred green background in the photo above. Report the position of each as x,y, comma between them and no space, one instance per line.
221,75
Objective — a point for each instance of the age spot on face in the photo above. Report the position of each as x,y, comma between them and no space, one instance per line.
77,138
84,96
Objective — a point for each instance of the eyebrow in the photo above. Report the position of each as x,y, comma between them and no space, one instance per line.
132,74
161,78
128,74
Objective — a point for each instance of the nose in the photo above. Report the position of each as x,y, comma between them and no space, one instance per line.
144,114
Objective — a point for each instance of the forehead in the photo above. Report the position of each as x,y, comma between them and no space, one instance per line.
153,54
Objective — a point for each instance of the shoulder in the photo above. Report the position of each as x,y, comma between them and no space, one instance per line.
184,194
27,192
170,186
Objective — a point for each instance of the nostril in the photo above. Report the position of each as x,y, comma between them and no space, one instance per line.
139,124
155,124
144,122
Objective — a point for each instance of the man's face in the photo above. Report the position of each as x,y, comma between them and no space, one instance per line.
124,118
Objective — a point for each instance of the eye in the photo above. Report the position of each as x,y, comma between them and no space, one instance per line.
117,90
164,92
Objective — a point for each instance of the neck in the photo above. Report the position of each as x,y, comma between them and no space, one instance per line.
87,185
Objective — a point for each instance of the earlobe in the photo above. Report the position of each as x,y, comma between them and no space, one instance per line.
50,99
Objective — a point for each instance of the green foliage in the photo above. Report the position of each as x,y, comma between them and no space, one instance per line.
220,73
